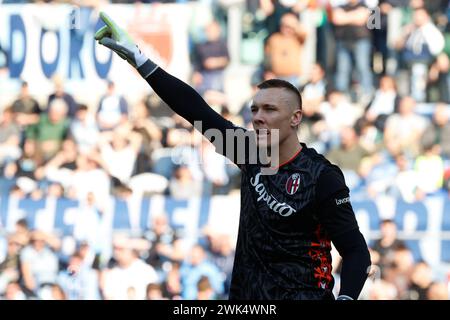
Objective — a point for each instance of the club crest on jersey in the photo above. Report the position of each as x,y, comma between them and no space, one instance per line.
293,183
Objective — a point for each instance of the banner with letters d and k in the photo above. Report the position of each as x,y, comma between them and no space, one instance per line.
47,39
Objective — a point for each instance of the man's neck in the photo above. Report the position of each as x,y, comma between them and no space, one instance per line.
289,149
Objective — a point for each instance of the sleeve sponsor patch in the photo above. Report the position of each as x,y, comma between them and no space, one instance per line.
343,200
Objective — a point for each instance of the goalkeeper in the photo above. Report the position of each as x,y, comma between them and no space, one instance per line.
288,219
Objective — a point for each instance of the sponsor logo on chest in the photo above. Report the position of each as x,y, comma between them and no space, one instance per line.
281,208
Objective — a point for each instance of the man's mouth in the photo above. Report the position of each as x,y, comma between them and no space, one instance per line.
262,132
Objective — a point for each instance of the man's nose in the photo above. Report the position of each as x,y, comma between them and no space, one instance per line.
258,117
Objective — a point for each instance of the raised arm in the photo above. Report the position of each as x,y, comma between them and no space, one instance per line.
185,101
179,96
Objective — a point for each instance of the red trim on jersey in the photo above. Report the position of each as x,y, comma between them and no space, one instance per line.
292,158
323,268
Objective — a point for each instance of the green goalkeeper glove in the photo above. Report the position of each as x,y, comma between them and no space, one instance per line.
118,40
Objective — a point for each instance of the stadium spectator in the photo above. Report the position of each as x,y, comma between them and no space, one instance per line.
194,268
211,59
130,272
172,283
429,168
50,131
419,43
421,279
159,110
24,169
437,291
349,155
10,265
84,129
143,124
22,230
382,170
79,281
14,292
90,232
112,109
437,133
52,292
55,190
314,94
61,167
162,237
118,152
9,138
406,127
353,39
204,289
401,268
384,103
38,262
433,7
154,292
221,253
383,290
283,50
60,93
406,184
380,34
215,170
183,185
89,178
370,137
314,90
337,113
388,242
26,109
438,87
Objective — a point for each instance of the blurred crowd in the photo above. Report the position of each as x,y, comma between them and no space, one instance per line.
158,265
375,102
395,275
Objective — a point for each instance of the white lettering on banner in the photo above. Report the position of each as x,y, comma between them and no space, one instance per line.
424,225
283,209
38,53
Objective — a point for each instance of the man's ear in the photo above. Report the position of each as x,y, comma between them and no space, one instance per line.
296,118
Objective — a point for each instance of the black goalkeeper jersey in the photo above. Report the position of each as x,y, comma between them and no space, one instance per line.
287,220
283,248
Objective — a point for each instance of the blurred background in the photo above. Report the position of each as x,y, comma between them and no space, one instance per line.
106,194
